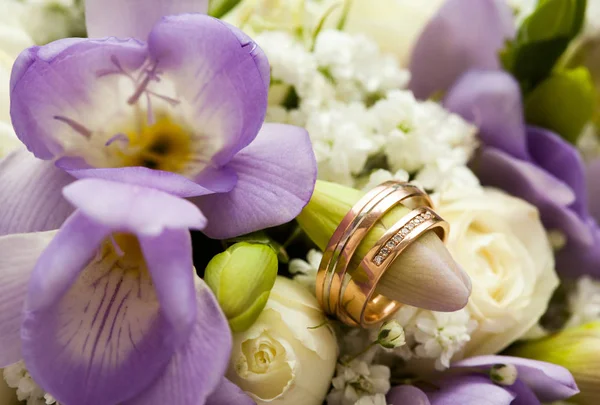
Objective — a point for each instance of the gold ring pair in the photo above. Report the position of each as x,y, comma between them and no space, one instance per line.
349,294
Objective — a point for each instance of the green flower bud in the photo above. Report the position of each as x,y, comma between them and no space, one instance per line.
242,278
578,350
503,374
424,275
391,335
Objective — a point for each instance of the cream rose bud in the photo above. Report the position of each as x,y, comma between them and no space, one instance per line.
501,243
289,354
394,24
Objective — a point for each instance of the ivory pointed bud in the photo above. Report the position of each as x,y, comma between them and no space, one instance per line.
578,350
424,275
242,278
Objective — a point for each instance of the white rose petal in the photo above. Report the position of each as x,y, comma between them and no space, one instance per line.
288,356
501,243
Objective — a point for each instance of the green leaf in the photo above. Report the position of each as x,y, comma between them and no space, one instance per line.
564,102
542,39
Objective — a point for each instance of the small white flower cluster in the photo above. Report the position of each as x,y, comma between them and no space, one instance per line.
349,97
434,335
359,383
17,376
305,272
584,302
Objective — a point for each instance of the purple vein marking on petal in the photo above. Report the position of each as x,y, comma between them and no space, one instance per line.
76,126
102,325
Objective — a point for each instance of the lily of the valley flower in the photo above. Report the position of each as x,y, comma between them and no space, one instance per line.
107,309
577,349
469,382
176,103
424,275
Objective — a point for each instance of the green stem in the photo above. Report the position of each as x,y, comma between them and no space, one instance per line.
219,8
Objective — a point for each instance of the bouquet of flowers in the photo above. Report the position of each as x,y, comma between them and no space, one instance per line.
299,202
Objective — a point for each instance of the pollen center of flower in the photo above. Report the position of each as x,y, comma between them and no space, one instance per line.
123,251
164,145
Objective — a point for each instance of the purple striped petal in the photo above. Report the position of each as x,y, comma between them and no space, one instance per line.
277,173
135,209
133,18
197,368
549,382
463,35
219,77
93,317
61,92
492,101
18,254
470,390
593,186
30,194
407,395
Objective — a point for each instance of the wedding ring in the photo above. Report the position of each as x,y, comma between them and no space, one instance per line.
349,294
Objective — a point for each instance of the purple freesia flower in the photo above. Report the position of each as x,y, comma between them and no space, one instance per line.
176,103
467,382
463,35
532,163
107,309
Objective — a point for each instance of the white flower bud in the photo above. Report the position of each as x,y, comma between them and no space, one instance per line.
503,374
391,335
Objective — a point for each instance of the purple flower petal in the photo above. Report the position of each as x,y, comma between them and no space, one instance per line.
593,187
59,89
218,78
59,265
463,35
469,390
169,260
492,101
30,194
18,254
520,178
198,367
525,396
135,209
277,174
562,160
92,318
549,382
228,393
133,18
406,395
578,259
168,182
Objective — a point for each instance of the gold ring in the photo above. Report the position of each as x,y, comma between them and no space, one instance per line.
349,294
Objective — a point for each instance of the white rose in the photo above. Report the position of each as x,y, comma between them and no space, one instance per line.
289,355
501,243
394,24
